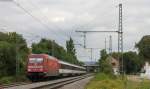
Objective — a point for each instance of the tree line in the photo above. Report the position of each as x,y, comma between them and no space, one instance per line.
52,48
14,47
133,62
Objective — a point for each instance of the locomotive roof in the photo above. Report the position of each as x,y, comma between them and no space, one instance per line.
38,54
60,61
44,55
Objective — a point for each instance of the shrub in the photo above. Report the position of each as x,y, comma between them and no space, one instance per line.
7,80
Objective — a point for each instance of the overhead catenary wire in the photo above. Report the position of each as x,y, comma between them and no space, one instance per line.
45,24
104,12
56,26
37,19
35,6
48,21
46,17
64,33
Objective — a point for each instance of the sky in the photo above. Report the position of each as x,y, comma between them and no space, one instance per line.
59,19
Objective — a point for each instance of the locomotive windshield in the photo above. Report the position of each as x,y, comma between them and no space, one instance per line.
35,60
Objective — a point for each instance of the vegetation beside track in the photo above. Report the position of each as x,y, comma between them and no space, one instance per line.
132,64
13,52
106,81
13,79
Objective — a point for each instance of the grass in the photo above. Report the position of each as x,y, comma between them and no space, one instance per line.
7,80
104,81
12,79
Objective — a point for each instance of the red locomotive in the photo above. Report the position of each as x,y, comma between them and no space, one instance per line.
43,65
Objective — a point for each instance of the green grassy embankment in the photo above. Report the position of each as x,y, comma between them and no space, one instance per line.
13,79
103,81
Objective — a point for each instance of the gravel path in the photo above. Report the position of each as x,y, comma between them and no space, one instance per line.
77,85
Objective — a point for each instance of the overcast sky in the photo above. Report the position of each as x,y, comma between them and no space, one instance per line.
58,20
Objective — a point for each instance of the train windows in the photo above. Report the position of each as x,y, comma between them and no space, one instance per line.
63,66
39,60
32,60
35,60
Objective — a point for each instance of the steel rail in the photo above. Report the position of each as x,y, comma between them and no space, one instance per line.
61,83
50,84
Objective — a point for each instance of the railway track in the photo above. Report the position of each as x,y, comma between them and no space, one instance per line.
61,83
50,84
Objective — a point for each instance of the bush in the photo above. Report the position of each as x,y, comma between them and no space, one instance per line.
103,76
105,81
7,80
106,84
12,79
22,78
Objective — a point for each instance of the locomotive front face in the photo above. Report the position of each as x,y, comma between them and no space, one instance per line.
35,64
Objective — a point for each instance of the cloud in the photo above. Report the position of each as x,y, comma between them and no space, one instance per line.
58,20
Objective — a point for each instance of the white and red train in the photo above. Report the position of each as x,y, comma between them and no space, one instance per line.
43,65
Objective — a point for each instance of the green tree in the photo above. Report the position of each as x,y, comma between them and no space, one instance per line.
116,55
70,46
105,64
132,63
144,48
11,46
44,46
7,59
22,51
71,51
52,48
104,54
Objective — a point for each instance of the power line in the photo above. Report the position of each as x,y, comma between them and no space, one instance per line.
96,31
5,0
35,18
65,34
105,12
47,18
85,32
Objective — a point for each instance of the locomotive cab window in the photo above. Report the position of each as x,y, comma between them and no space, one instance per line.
35,60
